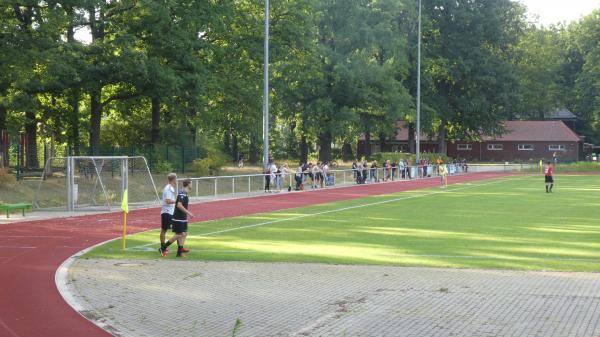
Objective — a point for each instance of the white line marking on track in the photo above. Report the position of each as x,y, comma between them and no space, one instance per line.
36,236
6,328
18,247
334,211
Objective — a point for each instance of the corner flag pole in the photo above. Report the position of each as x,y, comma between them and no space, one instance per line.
125,208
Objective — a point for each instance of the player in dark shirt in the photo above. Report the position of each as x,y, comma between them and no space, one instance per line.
180,221
548,177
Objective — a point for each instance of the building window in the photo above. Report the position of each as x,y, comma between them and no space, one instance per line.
525,147
464,147
556,148
495,147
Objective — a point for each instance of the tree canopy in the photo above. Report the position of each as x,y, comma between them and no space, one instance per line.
89,73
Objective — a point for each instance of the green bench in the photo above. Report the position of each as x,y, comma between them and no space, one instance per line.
11,207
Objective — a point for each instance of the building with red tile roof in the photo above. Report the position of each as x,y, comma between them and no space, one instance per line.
522,141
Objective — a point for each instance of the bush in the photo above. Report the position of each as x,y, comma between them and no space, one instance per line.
7,178
582,166
210,165
163,167
397,156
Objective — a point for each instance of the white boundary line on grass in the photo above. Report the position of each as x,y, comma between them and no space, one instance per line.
518,258
460,257
469,185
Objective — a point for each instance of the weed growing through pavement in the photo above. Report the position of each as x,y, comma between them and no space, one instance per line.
236,327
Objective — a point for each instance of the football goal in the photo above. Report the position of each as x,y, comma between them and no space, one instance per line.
88,183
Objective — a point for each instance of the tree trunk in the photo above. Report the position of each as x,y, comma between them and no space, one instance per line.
47,155
291,144
24,14
227,141
303,141
97,31
235,150
2,117
75,122
95,120
367,143
303,148
382,142
31,159
325,146
192,123
442,148
347,151
71,28
155,128
253,155
411,138
168,115
3,147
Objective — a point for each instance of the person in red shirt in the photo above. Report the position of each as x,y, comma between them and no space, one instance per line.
548,176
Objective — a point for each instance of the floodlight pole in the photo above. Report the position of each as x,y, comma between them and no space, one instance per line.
418,131
266,91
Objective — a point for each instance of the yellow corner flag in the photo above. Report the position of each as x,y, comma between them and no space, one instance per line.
125,208
124,203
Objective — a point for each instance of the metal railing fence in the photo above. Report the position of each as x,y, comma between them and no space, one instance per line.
220,187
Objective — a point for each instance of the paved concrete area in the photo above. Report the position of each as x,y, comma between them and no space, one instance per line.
186,298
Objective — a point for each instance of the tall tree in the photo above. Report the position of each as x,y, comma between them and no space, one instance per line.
585,98
112,61
362,70
539,58
473,78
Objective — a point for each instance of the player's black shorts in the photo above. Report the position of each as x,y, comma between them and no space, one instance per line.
165,221
180,227
549,179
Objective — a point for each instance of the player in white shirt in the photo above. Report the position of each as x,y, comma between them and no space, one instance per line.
168,207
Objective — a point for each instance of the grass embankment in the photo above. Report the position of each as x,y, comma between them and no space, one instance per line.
53,190
583,166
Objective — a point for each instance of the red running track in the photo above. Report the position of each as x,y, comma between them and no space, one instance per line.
31,252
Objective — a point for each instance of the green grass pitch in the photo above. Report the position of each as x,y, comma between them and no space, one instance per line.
507,223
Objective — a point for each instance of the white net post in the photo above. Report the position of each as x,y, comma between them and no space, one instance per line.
70,184
124,176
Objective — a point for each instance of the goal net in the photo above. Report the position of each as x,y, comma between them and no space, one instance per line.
95,183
